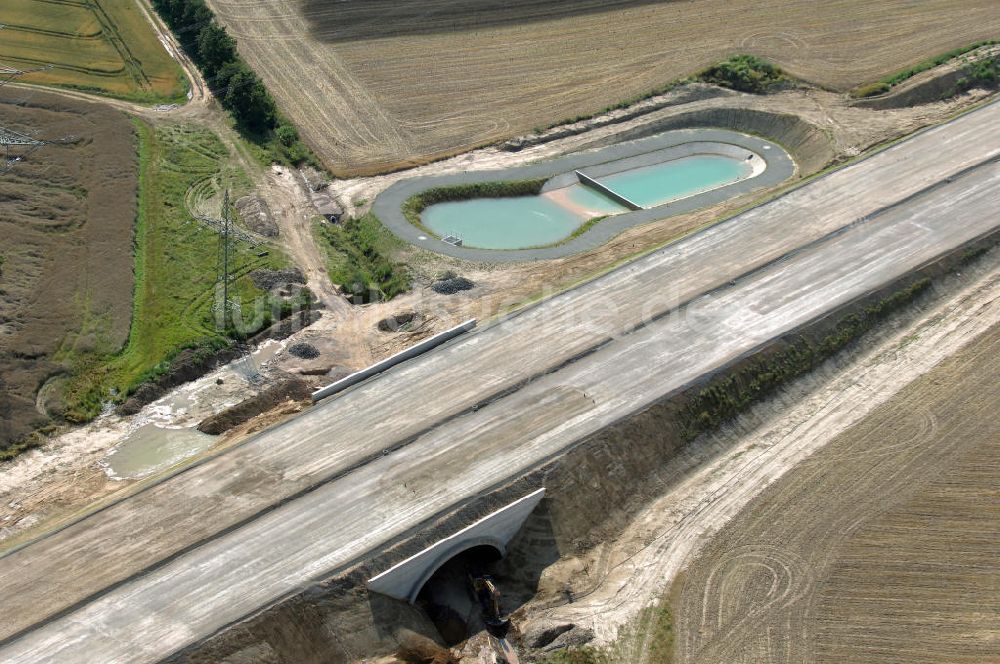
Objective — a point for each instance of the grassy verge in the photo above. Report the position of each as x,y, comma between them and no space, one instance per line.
417,203
586,226
889,82
175,270
729,396
359,258
650,634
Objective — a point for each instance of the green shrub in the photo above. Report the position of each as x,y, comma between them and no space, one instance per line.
287,135
358,253
729,396
871,90
746,73
984,73
417,203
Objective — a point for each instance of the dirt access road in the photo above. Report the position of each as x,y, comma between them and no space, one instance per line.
439,404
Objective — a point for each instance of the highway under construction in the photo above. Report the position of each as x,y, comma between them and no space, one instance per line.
193,555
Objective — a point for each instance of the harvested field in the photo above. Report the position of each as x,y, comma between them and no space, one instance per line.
879,547
382,85
105,46
66,216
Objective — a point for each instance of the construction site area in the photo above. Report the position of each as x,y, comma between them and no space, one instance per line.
476,352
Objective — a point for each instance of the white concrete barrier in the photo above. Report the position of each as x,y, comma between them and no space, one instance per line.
404,580
607,191
387,363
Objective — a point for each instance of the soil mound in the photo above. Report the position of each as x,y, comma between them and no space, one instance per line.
291,388
405,320
452,285
304,350
257,216
265,279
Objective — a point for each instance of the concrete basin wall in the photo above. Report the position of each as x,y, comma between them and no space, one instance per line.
779,167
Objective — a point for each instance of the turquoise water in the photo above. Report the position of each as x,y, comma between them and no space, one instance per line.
502,223
657,184
532,221
593,201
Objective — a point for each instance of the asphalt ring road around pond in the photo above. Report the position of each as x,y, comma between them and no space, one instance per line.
683,143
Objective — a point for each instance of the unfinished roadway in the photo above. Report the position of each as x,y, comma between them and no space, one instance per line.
146,577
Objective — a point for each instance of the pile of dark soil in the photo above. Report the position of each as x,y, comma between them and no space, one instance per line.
265,279
451,285
404,320
420,650
291,388
304,350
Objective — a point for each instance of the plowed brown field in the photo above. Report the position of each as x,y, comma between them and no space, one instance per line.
376,85
882,547
66,216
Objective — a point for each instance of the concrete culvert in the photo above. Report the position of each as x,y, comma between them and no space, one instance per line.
403,321
304,350
448,597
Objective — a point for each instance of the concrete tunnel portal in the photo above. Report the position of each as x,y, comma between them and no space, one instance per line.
406,579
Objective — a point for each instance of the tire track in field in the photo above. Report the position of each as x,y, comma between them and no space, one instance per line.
334,110
819,506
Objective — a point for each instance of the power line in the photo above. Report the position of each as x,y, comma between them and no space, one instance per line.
8,137
227,232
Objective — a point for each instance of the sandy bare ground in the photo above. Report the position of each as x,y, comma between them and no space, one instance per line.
375,85
719,476
65,476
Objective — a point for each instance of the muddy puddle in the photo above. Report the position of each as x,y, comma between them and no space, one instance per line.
151,448
165,433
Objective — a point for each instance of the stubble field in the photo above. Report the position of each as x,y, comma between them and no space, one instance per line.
381,85
881,547
66,215
105,46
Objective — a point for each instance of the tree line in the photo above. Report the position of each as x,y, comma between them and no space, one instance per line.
232,81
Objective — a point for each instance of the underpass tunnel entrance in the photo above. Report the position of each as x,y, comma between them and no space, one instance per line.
458,597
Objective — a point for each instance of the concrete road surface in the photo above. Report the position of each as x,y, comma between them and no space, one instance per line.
143,578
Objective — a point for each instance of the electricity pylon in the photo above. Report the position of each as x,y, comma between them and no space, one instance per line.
8,74
8,137
227,232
